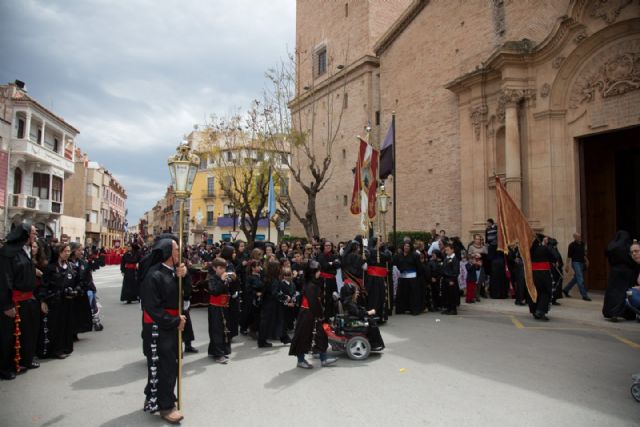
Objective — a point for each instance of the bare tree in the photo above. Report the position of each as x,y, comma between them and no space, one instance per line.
310,144
243,165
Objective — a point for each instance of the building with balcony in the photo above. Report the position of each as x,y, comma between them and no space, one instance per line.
40,157
114,198
212,216
5,137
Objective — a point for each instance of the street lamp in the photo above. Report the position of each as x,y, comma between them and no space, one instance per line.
183,167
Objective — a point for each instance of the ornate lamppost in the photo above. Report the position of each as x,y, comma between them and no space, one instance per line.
183,167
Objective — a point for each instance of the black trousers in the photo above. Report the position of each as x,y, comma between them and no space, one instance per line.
7,343
409,296
29,329
437,299
543,283
187,334
167,365
61,325
219,340
452,294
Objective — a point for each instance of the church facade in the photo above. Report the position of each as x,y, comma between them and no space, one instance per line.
543,94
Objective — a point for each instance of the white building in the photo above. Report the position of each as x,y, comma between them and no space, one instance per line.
41,154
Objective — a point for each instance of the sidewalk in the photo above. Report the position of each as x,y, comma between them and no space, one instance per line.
573,309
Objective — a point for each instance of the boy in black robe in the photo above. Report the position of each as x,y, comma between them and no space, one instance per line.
161,323
542,260
450,272
219,336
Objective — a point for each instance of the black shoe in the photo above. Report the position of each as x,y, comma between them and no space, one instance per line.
542,317
612,319
32,365
61,356
586,298
265,344
555,303
98,327
285,340
566,294
7,375
379,348
243,332
190,349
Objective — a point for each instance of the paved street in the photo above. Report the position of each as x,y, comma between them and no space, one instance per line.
481,368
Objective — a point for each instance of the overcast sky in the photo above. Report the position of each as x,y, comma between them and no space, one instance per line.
134,76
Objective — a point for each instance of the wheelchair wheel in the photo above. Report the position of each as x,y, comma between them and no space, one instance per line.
635,391
358,348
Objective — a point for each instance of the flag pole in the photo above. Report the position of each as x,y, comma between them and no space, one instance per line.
269,195
395,177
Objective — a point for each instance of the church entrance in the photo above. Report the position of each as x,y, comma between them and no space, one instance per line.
610,194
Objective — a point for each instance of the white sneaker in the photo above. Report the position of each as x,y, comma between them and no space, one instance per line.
329,361
304,365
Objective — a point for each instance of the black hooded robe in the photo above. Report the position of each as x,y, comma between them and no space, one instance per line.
130,286
309,319
621,275
219,335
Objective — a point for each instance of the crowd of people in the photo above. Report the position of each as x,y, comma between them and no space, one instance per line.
287,292
47,298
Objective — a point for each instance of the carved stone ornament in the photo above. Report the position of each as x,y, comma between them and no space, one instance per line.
614,72
478,116
609,10
557,62
580,37
545,90
510,97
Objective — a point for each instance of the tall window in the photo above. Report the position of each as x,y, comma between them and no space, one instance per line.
40,185
210,185
56,189
320,62
284,186
203,161
209,216
17,181
21,127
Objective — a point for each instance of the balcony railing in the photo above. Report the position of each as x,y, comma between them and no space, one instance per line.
33,203
206,194
35,151
24,201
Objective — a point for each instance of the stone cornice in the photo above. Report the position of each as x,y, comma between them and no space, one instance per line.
346,75
399,26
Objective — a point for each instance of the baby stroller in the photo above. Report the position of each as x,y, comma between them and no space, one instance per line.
349,334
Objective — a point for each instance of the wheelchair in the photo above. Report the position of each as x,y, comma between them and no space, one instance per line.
349,334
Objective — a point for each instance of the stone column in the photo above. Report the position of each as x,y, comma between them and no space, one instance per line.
27,127
513,173
44,129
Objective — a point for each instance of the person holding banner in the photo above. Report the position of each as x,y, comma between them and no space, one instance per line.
541,261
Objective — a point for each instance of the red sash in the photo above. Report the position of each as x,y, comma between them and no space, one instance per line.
304,303
327,275
219,300
147,319
131,266
377,271
540,266
19,296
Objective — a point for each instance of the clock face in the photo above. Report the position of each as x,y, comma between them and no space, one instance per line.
199,217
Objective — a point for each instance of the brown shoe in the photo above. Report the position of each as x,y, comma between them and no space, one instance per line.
172,416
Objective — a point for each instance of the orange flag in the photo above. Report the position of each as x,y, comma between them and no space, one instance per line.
514,229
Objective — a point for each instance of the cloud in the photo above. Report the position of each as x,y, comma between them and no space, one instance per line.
134,76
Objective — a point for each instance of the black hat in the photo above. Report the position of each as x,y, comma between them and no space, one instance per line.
20,234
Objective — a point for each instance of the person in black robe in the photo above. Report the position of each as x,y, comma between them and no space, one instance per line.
516,267
82,316
187,335
352,266
450,273
409,294
228,253
128,267
17,285
309,334
290,298
219,296
59,288
556,272
542,260
434,277
161,323
621,276
273,308
498,283
267,305
244,303
348,299
329,263
376,279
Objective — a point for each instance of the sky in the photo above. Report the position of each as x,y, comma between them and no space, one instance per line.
135,76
